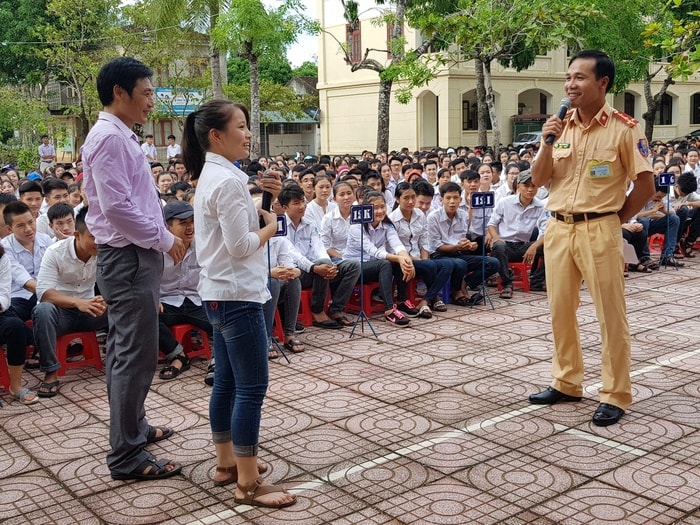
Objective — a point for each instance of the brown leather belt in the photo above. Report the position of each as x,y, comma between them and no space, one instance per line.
571,218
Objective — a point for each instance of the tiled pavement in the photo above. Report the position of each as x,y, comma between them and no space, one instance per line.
428,424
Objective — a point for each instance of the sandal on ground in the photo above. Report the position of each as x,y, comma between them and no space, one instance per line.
233,471
688,249
424,312
255,490
439,306
48,389
294,346
153,436
209,378
170,371
461,301
671,261
151,468
273,352
342,320
507,292
23,396
641,267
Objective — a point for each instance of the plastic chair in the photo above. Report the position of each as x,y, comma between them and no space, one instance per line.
520,276
183,335
91,351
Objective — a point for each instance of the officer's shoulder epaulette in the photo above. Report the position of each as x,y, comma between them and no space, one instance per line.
625,118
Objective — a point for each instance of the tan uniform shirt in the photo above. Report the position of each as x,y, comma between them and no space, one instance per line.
590,170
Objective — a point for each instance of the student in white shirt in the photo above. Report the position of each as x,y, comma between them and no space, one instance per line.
179,300
173,150
61,220
514,220
233,286
13,335
319,206
66,291
378,249
335,224
149,149
55,191
412,228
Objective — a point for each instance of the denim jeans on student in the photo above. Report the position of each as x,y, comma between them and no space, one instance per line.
240,376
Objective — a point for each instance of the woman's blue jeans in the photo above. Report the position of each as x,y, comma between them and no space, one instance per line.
240,376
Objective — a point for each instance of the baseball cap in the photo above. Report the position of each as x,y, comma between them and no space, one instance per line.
33,176
450,151
178,210
524,177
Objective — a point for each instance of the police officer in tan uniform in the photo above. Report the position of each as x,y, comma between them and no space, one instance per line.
596,152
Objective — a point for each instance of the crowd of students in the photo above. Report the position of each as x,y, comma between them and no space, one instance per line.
424,228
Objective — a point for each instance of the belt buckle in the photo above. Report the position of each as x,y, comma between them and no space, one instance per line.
568,218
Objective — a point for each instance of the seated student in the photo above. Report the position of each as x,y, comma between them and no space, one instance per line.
306,182
447,230
13,335
686,202
75,196
633,232
335,224
26,247
66,291
32,194
319,205
656,218
380,247
513,222
426,198
179,299
285,289
412,228
61,220
5,199
317,270
508,185
179,189
55,192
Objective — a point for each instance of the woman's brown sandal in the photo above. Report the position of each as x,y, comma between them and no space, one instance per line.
255,490
233,471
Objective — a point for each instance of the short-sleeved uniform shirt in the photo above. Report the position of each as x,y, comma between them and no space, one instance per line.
591,166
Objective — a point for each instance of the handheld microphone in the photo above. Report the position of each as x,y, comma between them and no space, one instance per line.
563,108
266,200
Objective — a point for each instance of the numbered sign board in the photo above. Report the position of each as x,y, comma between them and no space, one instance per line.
483,199
362,214
281,226
667,179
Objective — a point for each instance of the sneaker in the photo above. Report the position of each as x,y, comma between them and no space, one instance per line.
397,318
299,328
408,308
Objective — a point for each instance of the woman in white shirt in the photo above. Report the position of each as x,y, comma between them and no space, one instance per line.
233,286
319,206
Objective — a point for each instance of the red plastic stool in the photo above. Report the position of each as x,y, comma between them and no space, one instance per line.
183,334
91,351
369,308
277,328
305,315
656,243
520,278
412,294
4,372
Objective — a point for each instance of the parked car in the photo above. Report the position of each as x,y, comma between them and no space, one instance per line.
529,137
693,135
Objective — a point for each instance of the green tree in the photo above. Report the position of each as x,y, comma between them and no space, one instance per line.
251,31
19,59
78,39
199,16
510,31
307,69
272,67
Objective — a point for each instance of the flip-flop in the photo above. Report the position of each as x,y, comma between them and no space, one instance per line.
157,470
328,324
342,320
48,389
21,396
294,345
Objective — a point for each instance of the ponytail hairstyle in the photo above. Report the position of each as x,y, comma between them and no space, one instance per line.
214,114
401,187
369,198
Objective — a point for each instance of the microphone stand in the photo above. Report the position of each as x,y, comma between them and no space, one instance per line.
483,289
362,316
666,256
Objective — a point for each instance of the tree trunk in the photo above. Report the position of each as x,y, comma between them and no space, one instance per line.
482,110
491,104
383,115
255,147
653,102
217,84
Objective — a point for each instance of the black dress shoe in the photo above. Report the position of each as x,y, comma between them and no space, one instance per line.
607,414
551,396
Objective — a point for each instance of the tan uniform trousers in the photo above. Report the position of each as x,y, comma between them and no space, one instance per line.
590,251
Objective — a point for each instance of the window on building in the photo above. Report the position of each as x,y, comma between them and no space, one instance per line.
695,109
629,104
543,104
466,116
354,43
664,114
